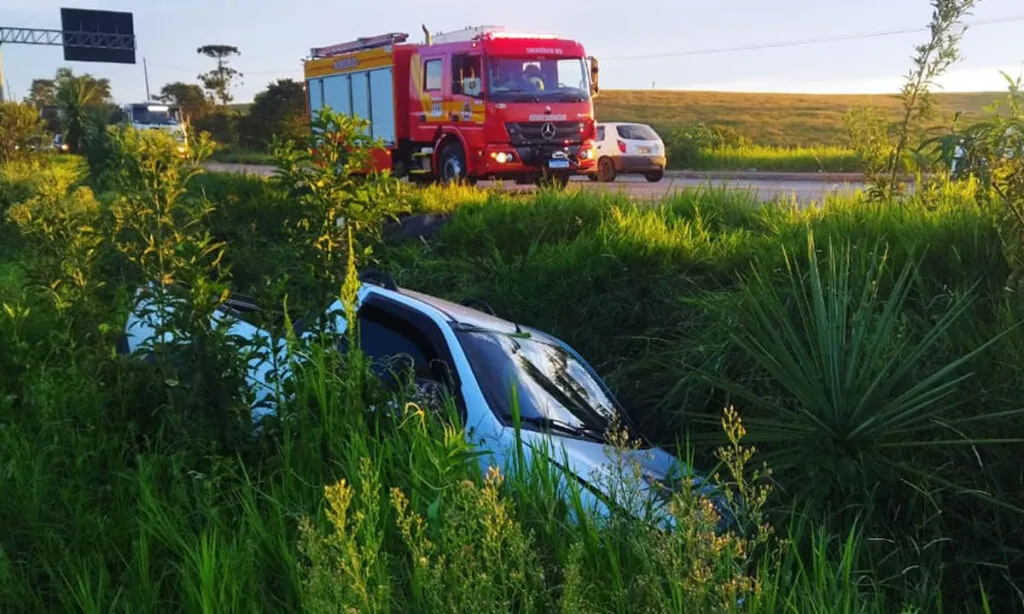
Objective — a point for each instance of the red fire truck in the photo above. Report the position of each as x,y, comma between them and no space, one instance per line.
479,103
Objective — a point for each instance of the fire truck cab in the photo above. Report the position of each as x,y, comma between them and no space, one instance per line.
479,103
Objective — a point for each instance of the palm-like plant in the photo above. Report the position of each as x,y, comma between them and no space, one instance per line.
855,382
76,97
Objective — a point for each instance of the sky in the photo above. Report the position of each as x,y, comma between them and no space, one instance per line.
635,45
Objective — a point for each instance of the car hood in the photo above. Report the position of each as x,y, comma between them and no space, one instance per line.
638,481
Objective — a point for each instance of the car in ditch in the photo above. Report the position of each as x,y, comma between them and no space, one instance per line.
482,362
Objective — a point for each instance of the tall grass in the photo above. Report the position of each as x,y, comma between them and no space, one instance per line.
822,158
658,296
116,497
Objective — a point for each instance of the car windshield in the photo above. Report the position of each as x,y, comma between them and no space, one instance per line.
153,114
550,385
526,80
636,132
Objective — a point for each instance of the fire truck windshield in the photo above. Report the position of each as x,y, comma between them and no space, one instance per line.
527,79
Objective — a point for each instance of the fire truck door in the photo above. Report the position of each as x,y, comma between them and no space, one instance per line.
467,91
429,85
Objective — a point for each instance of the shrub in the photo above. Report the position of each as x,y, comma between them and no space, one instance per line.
21,129
222,124
993,154
684,144
321,180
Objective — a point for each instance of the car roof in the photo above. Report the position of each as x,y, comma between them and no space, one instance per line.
457,313
605,124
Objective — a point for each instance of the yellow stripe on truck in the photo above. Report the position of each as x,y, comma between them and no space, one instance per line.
347,63
416,73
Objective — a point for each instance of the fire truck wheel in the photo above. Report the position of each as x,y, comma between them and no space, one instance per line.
452,164
606,170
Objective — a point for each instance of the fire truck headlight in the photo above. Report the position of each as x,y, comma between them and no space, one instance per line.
502,157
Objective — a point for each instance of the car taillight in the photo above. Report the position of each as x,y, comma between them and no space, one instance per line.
622,146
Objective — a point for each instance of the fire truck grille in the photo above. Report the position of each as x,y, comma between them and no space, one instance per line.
536,133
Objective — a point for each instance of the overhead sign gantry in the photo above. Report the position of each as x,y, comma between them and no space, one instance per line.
86,35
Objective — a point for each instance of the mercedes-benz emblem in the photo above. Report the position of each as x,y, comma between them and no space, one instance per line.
547,130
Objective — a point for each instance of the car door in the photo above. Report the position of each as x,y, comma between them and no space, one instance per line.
396,338
601,145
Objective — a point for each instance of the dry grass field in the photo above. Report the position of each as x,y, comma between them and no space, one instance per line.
784,132
783,120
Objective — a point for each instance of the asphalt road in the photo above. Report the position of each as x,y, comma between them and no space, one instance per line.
767,188
803,187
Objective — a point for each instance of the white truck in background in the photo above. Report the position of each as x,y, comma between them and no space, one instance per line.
156,116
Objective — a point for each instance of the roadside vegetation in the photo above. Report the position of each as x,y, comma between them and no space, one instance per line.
726,131
849,368
720,131
716,131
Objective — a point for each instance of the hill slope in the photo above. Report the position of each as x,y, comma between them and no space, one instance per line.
769,119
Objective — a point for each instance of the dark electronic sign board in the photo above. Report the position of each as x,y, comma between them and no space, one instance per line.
98,36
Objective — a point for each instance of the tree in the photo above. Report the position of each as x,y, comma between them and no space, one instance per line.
100,87
933,58
884,149
278,110
81,101
188,96
42,93
219,80
20,127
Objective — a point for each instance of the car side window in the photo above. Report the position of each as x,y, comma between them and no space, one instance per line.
600,133
386,338
395,337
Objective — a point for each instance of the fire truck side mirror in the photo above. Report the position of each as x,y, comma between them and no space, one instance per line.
594,87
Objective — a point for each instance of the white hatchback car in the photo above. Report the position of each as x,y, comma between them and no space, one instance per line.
628,148
483,362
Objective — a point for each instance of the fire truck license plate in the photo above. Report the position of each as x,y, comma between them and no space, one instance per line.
558,164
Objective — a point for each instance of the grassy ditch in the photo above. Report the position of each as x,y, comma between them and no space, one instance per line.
870,353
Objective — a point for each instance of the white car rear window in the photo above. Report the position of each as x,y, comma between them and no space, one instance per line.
636,132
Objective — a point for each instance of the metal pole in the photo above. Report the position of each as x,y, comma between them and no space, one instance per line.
1,74
145,73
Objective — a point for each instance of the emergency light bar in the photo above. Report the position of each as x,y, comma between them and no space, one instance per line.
360,44
520,35
468,33
472,33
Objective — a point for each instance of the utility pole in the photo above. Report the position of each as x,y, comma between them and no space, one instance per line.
145,73
2,73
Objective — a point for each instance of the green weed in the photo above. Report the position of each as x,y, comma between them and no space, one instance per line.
135,487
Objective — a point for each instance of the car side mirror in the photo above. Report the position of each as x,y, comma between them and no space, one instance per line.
594,69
